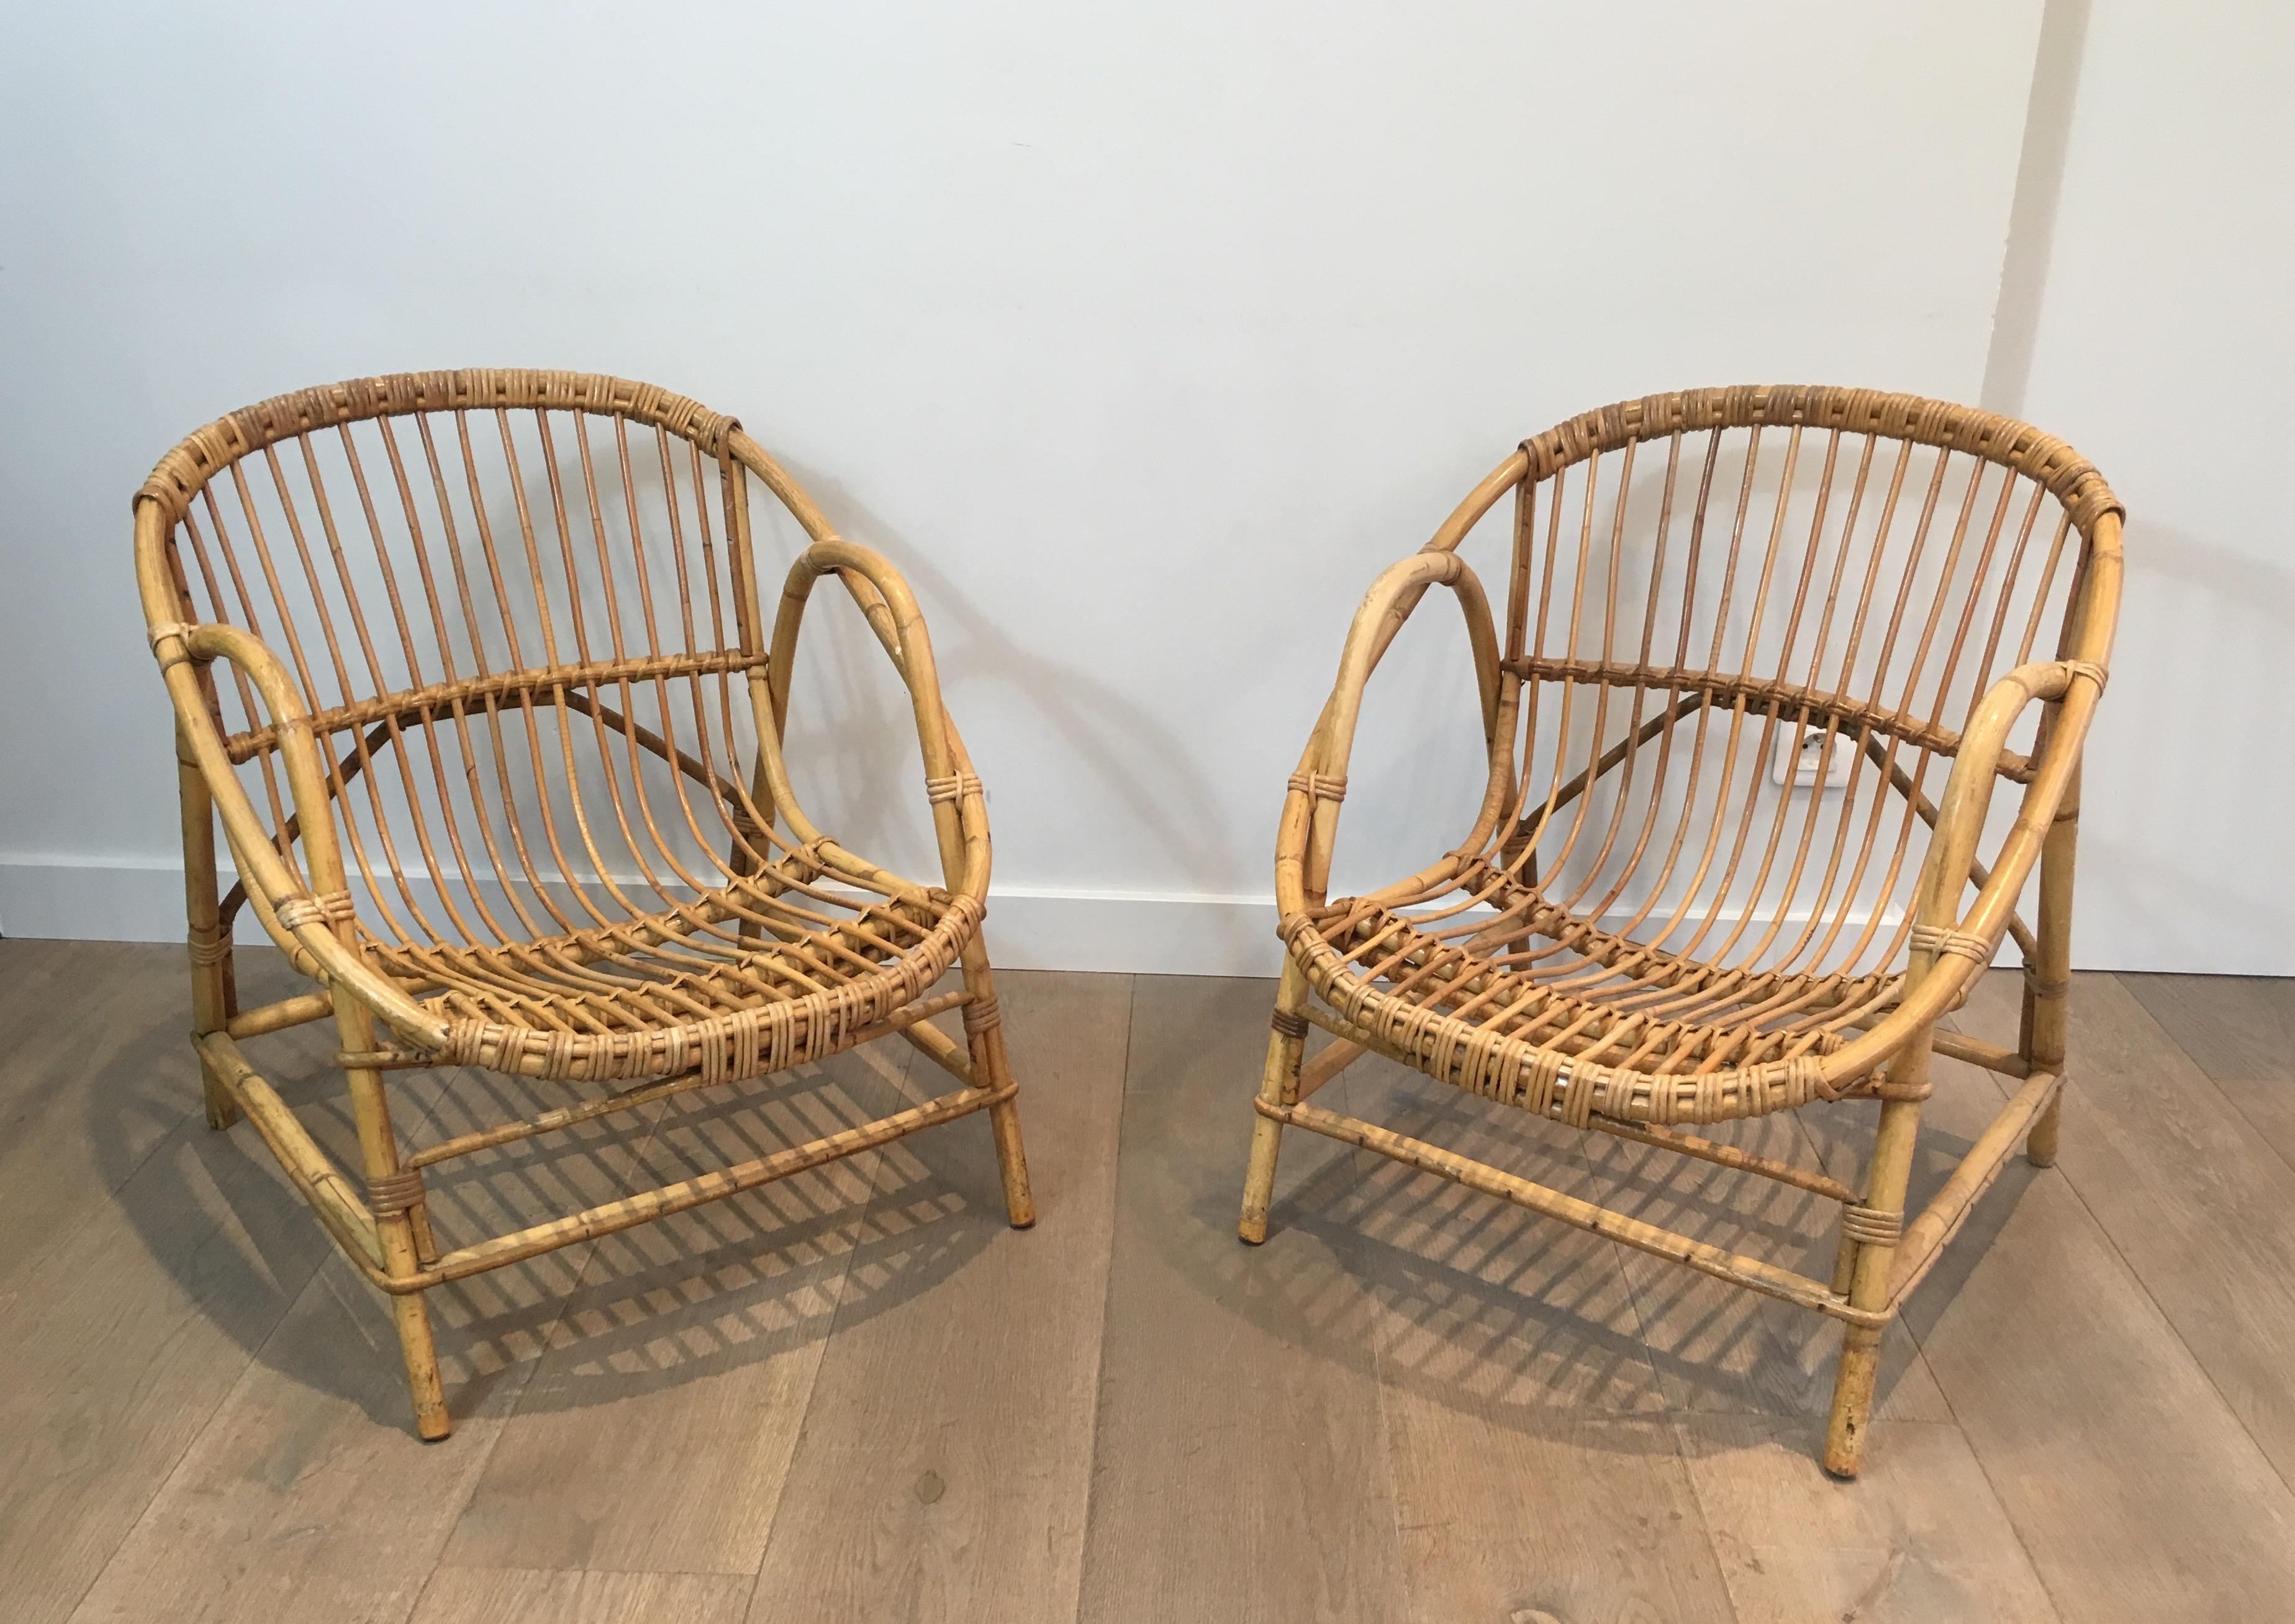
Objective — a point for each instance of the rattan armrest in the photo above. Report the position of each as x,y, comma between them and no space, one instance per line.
960,808
1951,947
305,919
1310,815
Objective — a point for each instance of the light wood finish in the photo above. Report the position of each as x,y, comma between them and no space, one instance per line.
202,1418
2239,1031
1242,1459
300,1496
947,1451
2082,1397
1523,1416
1638,934
511,1595
1924,1539
700,1335
1723,1350
161,1257
2213,1242
474,671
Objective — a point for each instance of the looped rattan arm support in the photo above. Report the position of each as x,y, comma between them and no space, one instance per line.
1950,947
960,816
1311,814
305,919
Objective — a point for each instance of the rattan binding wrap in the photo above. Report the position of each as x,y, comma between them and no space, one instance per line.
184,472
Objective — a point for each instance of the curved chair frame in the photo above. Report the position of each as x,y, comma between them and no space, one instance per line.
1378,981
794,950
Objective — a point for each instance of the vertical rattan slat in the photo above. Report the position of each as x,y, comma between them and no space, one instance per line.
1652,923
511,792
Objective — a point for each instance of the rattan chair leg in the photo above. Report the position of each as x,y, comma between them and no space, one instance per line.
394,1224
1844,1263
209,948
2047,981
415,1346
1869,1280
984,1033
1279,1084
426,1244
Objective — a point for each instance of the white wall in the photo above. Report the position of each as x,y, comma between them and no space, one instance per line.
2152,323
1140,338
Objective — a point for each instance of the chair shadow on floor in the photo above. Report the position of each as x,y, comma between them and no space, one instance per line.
1529,1324
672,1301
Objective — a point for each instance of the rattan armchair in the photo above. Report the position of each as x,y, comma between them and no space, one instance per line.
474,671
1652,925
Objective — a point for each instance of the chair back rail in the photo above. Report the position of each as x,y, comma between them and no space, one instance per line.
1701,582
523,612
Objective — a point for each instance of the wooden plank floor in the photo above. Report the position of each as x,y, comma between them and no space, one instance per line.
857,1395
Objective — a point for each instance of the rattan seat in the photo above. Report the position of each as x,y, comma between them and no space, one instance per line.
1520,1004
1765,656
678,990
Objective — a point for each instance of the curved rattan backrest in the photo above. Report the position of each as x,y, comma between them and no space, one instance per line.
1702,581
521,608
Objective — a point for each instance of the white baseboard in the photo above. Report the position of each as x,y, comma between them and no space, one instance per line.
117,899
135,898
1155,934
1029,928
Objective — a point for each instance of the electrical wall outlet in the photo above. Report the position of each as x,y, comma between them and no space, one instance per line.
1811,759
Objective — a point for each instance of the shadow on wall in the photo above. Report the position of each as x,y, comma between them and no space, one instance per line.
2202,627
2032,217
1139,761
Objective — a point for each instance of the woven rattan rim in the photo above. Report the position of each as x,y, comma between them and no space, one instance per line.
2066,475
184,472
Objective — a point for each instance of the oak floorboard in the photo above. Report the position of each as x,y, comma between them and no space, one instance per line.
525,1595
95,1072
1534,1474
1481,1299
946,1458
1414,1403
2203,1212
1722,1348
1918,1538
308,1495
158,1256
2240,1029
656,1426
2131,1485
1239,1471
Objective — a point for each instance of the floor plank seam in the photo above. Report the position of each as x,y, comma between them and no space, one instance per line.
1992,1485
2111,1247
57,1241
2142,1286
1675,1420
1385,1429
589,1253
2000,1092
223,1399
879,1162
175,1465
1108,1292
